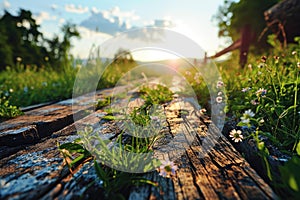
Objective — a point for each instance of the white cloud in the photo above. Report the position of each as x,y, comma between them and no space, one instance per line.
110,21
164,23
54,6
88,39
44,16
115,22
6,4
61,21
79,9
94,10
123,16
101,22
115,14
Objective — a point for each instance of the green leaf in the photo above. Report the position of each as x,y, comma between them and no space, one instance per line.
109,117
100,172
77,159
293,183
290,173
298,148
72,147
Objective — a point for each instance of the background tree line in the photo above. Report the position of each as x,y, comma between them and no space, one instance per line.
234,15
21,42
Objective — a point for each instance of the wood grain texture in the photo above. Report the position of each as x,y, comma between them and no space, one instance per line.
209,167
219,173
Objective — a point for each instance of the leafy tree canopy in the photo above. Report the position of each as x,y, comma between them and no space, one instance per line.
232,16
22,42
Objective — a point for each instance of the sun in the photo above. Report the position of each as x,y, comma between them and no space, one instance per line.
149,55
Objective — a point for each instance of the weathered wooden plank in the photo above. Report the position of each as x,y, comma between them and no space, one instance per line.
221,173
41,122
37,171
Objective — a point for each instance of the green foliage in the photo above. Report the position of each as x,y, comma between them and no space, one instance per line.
298,148
234,15
140,116
6,109
157,95
31,86
278,76
269,86
74,153
23,44
123,154
291,177
103,102
116,184
153,97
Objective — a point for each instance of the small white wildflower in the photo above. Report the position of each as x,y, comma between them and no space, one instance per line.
246,89
167,169
249,113
245,120
246,116
219,99
154,118
294,53
188,73
236,135
298,64
19,59
254,102
220,84
261,92
202,111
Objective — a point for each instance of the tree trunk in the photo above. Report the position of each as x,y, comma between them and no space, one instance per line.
284,20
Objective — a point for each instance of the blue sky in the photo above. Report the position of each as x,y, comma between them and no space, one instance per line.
98,21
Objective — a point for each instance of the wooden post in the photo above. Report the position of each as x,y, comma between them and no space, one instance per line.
245,43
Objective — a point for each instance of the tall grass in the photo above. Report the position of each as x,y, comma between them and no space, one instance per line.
25,86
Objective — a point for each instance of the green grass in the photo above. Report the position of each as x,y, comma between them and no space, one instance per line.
22,86
269,87
159,94
6,109
28,86
126,151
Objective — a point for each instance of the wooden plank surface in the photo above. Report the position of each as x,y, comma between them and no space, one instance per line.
209,166
220,173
